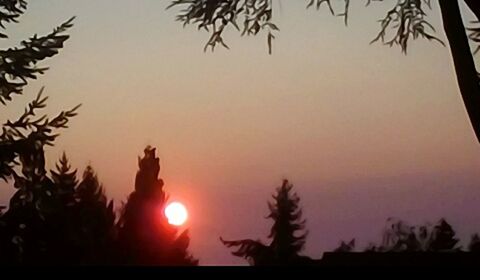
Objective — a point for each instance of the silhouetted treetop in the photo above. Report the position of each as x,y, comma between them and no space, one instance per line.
144,235
66,181
287,233
147,180
444,237
90,188
346,247
287,217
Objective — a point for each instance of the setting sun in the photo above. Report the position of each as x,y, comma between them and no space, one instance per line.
176,213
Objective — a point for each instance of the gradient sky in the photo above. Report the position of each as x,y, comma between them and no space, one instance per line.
362,131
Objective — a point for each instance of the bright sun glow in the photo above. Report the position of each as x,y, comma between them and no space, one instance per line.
176,213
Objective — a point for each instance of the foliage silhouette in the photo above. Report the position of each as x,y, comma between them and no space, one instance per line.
28,227
474,245
17,66
144,235
405,245
286,245
346,247
398,236
406,20
61,222
95,221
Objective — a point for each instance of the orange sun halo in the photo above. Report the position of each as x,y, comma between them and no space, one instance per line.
176,213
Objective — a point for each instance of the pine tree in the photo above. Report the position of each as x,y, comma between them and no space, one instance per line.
63,238
443,238
145,236
24,227
65,181
24,234
286,244
18,65
95,221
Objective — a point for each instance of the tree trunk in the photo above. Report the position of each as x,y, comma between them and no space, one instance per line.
474,6
467,78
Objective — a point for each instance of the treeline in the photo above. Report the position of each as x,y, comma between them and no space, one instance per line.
288,236
57,219
54,218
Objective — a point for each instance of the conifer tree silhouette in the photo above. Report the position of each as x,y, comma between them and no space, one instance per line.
145,237
95,218
286,244
64,242
18,65
25,228
443,238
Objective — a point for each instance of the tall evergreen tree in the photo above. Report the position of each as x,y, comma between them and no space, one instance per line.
95,218
287,234
145,236
63,220
65,180
24,230
18,65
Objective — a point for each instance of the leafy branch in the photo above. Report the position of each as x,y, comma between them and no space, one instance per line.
18,65
407,19
10,11
474,35
29,130
215,16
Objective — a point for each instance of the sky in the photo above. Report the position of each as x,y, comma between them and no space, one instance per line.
363,131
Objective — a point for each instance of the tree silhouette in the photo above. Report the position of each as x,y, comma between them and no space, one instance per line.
406,20
443,238
24,230
63,219
95,221
145,237
26,226
18,65
286,245
474,245
65,180
401,237
346,247
57,221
